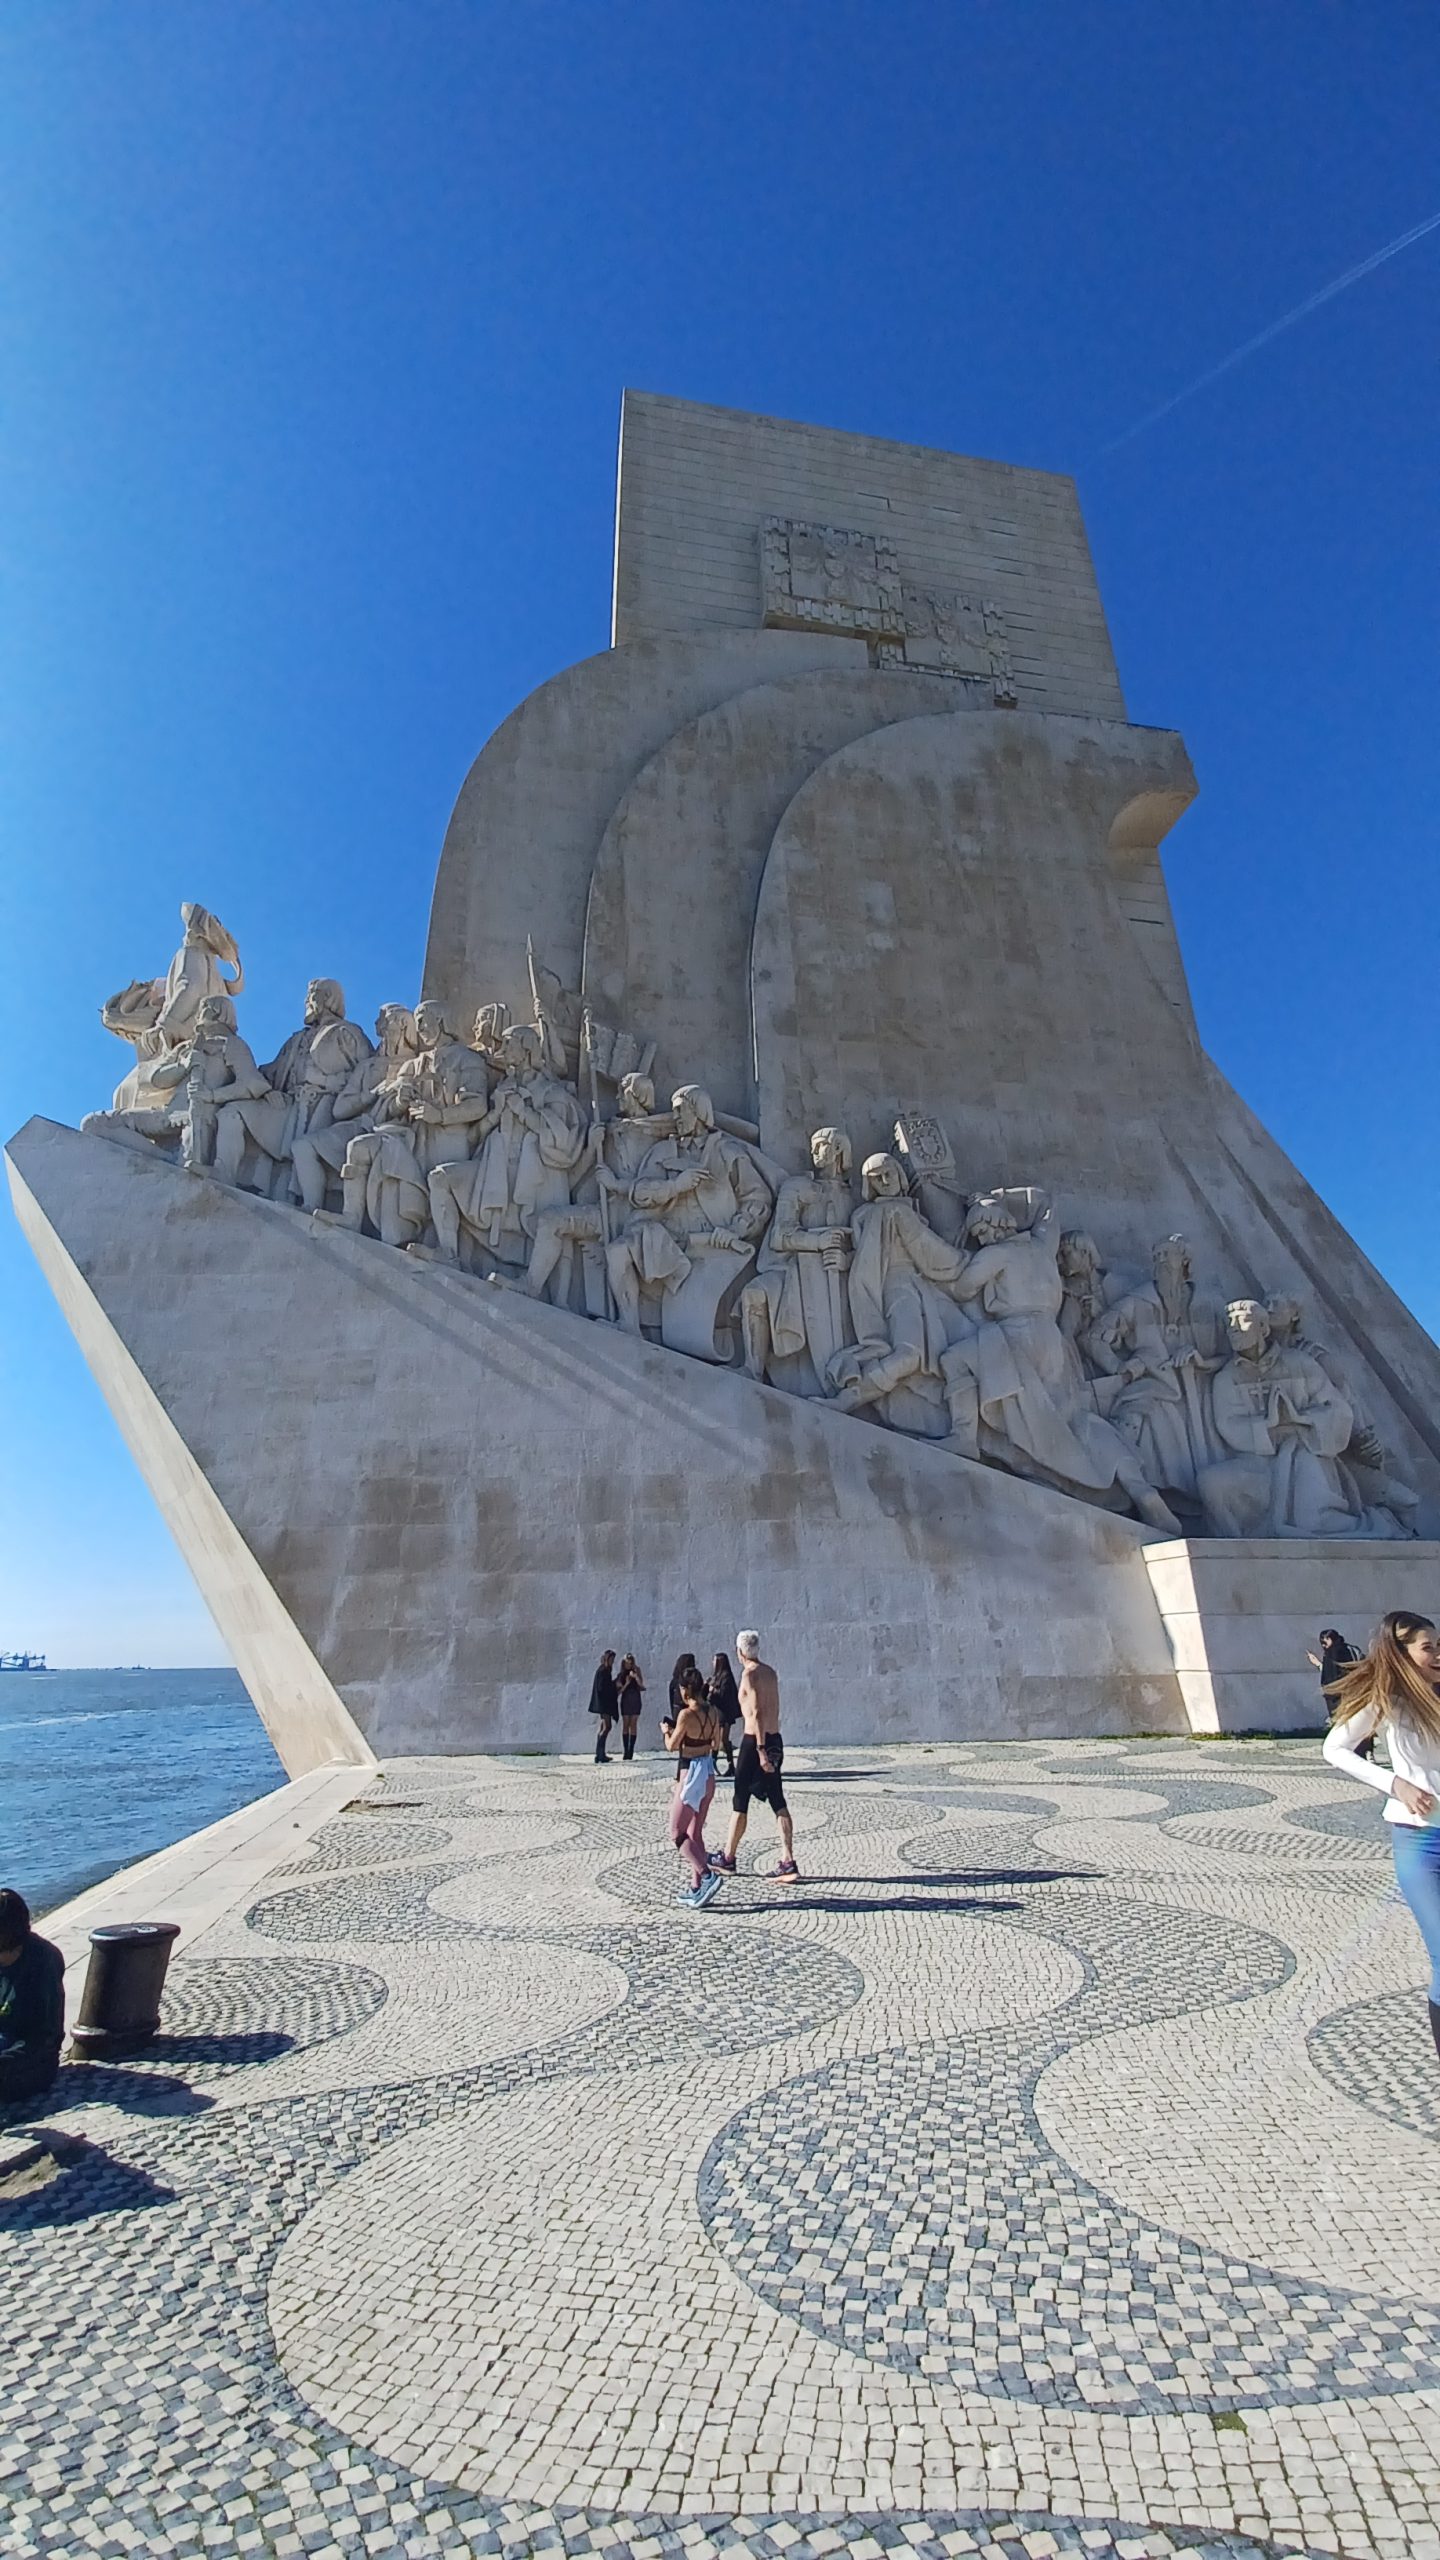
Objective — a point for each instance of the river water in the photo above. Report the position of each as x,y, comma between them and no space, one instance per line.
99,1768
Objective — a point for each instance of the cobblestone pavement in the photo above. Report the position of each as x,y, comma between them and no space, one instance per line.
1026,2182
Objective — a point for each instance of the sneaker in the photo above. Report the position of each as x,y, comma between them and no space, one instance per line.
786,1873
694,1896
720,1865
707,1891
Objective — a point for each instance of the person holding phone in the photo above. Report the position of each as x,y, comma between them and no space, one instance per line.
692,1732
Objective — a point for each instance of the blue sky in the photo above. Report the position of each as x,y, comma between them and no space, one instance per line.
313,326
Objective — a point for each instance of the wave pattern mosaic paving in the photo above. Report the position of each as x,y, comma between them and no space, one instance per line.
1021,2184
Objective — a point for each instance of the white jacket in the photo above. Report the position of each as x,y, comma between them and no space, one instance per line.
1412,1756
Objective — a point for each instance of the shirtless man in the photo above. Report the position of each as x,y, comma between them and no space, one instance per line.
758,1761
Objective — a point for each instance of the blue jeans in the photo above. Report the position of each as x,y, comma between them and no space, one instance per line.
1417,1872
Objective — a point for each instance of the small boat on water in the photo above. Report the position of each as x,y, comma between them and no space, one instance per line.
23,1662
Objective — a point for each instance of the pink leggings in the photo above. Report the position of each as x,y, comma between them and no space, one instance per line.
687,1830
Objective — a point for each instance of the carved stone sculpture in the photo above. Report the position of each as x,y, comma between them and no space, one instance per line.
318,1153
1010,1378
699,1204
614,1153
966,1323
301,1085
528,1147
574,1039
132,1015
1366,1462
423,1113
158,1015
795,1313
1157,1351
197,971
1082,1278
929,1161
1285,1425
214,1071
901,1307
182,1088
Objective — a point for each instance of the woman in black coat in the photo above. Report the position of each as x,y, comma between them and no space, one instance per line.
603,1703
724,1697
632,1698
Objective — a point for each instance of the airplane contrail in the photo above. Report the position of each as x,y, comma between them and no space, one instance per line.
1301,311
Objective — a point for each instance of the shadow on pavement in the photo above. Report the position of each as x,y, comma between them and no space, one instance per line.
805,1898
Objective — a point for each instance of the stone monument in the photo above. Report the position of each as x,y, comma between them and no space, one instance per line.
799,1196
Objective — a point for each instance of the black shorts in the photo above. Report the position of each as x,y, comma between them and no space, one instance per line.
752,1781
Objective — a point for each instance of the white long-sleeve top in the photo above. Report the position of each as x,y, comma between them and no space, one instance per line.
1411,1756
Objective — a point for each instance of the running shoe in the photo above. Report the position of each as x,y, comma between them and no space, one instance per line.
720,1865
786,1873
707,1891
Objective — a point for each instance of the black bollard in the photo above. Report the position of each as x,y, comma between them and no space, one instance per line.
120,2005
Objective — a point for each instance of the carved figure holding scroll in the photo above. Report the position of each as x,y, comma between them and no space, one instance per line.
423,1111
1286,1424
901,1307
529,1145
795,1313
318,1153
1010,1378
614,1153
701,1198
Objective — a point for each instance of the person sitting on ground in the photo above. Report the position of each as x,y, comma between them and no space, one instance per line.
603,1704
632,1698
725,1699
692,1732
32,2003
758,1761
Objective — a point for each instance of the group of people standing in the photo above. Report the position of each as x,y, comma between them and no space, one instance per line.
697,1726
617,1697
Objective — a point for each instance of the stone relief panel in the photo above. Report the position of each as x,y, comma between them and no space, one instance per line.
532,1156
821,577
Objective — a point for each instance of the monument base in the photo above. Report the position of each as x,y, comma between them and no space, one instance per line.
1241,1614
419,1507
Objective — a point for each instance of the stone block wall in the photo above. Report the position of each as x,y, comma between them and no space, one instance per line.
698,483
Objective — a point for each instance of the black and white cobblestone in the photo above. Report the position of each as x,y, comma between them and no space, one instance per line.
794,2140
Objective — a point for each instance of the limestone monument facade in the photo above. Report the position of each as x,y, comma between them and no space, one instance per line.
798,1197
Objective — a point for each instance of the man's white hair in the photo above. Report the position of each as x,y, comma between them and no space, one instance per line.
747,1644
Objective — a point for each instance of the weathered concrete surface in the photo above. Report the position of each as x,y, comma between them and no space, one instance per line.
667,942
305,1719
448,1499
1242,1613
522,840
938,928
696,483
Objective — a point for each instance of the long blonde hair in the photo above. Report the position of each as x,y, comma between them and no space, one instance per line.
1387,1677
